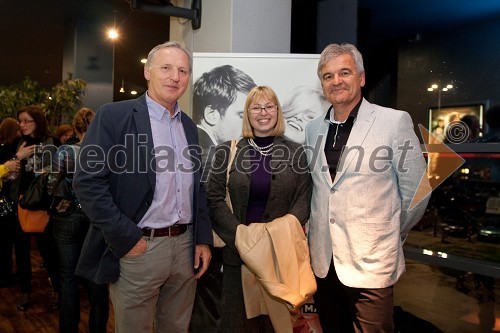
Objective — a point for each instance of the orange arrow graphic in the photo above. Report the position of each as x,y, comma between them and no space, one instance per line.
442,163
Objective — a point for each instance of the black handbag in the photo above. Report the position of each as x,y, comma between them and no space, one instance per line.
207,308
36,196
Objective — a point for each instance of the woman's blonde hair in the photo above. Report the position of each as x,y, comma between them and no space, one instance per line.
253,95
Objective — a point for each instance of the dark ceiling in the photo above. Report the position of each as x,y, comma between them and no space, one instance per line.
388,20
32,30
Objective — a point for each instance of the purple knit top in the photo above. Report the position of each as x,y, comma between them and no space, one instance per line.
260,181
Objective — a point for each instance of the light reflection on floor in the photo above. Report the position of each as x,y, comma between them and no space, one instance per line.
433,295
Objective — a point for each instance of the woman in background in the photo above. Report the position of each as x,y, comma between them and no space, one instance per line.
10,133
35,131
64,133
70,225
303,105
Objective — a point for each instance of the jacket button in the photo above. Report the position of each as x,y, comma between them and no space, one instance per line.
332,220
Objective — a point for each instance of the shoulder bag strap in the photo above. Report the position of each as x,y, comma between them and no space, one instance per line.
232,154
218,242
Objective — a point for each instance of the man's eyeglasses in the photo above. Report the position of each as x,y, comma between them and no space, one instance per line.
26,121
255,109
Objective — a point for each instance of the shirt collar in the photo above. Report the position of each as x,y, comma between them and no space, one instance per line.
330,114
159,112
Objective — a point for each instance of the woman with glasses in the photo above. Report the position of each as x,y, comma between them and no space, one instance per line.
268,179
35,133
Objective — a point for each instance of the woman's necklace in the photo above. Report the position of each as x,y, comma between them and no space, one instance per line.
264,151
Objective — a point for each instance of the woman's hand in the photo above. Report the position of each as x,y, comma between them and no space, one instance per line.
13,165
25,151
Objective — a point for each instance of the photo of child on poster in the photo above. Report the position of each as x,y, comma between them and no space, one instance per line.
221,82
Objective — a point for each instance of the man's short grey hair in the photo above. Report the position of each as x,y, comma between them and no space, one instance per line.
170,44
336,50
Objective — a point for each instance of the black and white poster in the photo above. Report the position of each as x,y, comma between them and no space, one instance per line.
221,82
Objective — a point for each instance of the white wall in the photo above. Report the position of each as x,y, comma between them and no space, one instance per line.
250,26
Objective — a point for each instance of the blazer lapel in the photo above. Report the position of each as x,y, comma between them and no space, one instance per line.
279,153
143,124
188,130
360,129
191,133
242,158
319,150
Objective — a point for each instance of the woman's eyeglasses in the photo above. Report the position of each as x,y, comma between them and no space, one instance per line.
256,109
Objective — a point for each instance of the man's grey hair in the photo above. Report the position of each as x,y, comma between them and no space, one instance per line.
336,50
170,44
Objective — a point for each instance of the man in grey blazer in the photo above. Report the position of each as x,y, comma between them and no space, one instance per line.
138,180
366,166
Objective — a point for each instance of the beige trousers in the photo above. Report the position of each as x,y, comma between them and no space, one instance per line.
155,291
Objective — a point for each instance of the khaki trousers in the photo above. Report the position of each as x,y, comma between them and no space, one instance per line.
155,291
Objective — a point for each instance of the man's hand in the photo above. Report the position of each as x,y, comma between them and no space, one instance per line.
138,249
202,256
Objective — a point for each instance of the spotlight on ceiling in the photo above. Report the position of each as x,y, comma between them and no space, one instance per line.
166,8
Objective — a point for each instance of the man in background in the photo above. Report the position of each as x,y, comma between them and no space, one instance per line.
493,121
218,99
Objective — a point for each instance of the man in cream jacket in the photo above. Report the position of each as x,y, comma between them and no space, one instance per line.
366,165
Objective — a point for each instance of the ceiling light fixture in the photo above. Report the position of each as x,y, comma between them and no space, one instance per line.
435,86
168,9
122,88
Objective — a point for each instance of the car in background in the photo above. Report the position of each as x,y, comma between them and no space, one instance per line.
430,217
459,224
489,230
493,205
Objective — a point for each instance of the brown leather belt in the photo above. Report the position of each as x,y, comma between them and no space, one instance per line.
173,231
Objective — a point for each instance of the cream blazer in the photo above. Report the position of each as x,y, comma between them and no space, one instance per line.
276,263
362,216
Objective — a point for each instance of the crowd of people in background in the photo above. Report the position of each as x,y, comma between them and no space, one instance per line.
147,236
60,243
